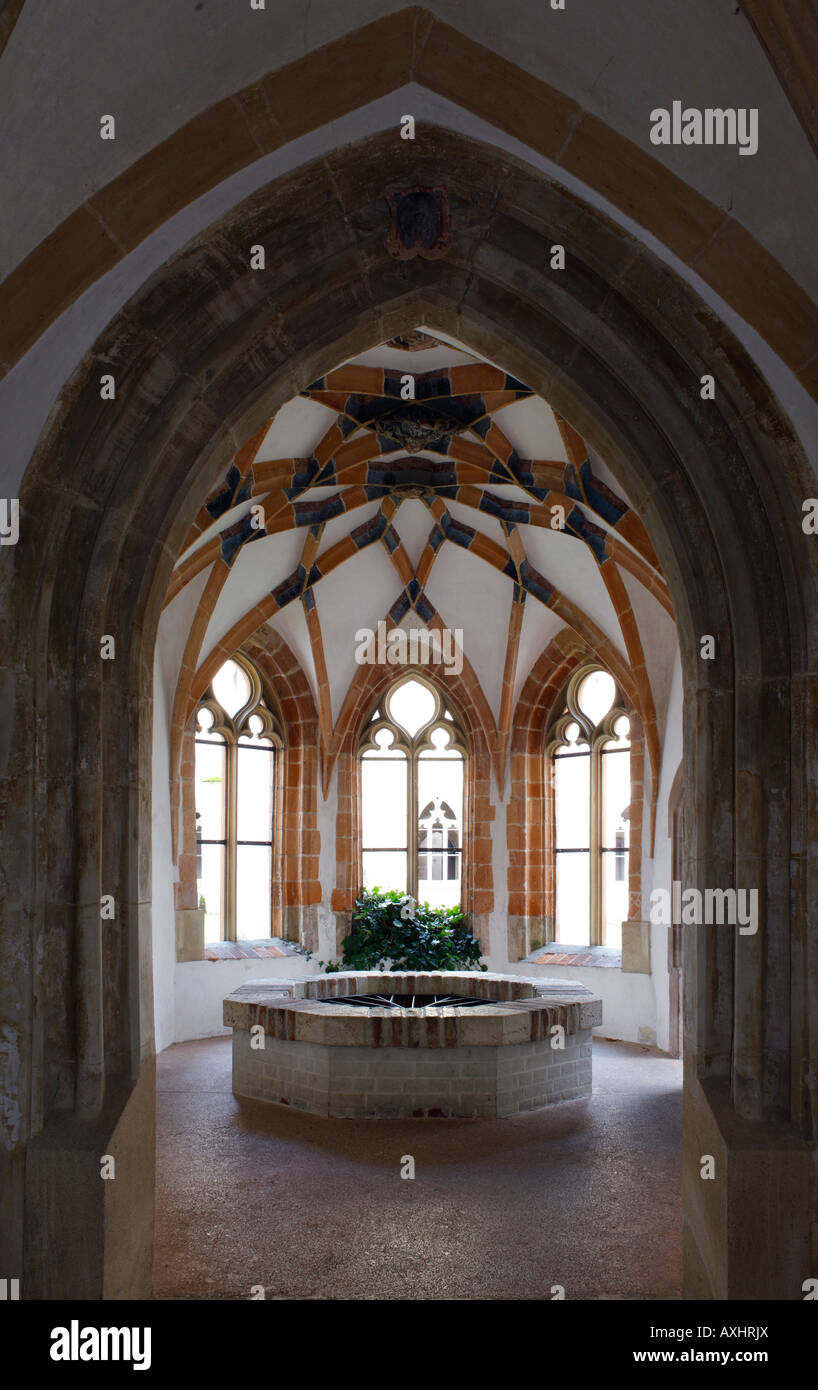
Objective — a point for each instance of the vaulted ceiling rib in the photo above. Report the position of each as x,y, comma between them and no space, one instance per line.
377,440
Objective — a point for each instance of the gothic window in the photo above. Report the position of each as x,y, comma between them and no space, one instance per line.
237,738
412,765
589,753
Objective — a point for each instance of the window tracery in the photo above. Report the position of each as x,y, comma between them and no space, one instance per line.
412,763
589,756
236,742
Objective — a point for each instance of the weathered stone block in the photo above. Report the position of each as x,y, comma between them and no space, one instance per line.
636,947
190,933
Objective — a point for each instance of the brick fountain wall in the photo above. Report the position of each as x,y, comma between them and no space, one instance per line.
290,1047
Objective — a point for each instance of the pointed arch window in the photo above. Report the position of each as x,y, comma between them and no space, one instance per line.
589,753
236,743
412,754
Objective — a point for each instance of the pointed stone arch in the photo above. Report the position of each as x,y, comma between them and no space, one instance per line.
203,354
412,45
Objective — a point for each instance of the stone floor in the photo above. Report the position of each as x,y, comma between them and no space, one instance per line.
585,1194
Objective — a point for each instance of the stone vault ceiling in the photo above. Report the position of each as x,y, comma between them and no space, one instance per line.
471,506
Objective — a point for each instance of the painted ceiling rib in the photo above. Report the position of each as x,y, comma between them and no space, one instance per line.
441,446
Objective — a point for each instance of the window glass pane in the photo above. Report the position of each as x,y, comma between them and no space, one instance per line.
253,891
440,794
210,800
209,886
572,800
439,870
573,905
231,687
384,803
596,695
614,897
385,869
440,821
411,705
616,794
254,792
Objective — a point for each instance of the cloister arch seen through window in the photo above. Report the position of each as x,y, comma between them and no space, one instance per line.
236,741
412,769
589,753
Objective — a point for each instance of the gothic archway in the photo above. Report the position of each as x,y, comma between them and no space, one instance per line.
106,503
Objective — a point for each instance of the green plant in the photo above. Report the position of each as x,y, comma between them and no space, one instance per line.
411,936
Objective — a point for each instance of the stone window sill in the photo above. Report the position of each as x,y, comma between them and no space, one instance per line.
590,957
251,950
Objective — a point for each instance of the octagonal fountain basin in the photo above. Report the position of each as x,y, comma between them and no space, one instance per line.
443,1044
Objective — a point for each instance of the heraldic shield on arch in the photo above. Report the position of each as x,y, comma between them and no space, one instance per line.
420,223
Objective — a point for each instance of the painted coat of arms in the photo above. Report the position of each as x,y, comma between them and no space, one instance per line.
421,223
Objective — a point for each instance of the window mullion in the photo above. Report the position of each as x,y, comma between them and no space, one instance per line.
412,837
596,846
231,814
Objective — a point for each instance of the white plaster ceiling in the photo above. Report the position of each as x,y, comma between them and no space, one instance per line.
174,626
658,633
257,569
540,624
470,595
420,360
413,523
531,428
576,575
291,624
357,595
298,426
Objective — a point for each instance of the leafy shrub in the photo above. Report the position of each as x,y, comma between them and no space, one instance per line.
412,936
